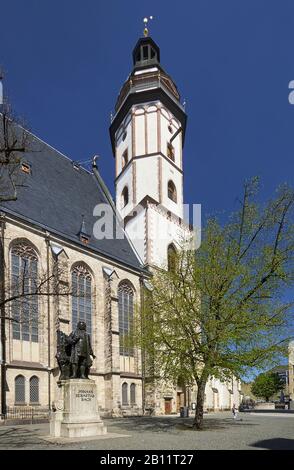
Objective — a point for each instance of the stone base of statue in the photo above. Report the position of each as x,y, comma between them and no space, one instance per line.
76,412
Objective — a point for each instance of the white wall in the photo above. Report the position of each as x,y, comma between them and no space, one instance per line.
135,229
162,231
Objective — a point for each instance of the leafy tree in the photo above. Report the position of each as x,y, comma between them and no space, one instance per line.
220,311
266,385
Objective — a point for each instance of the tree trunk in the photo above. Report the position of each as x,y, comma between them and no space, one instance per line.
198,420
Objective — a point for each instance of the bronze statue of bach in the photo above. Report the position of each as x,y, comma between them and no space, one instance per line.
74,353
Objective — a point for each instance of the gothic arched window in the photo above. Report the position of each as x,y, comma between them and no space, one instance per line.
81,296
125,158
24,285
133,394
171,191
171,257
19,389
124,393
34,389
125,196
126,315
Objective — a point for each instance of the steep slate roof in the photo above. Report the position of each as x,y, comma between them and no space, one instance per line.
56,196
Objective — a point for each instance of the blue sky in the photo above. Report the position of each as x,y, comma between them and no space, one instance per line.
232,60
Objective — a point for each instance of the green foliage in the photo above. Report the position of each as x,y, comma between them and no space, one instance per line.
266,385
221,310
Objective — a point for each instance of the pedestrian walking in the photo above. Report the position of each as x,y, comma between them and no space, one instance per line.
234,411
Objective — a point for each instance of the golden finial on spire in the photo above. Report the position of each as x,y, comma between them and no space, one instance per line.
145,20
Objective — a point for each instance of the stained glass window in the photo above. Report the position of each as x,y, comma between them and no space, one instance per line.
126,315
19,384
24,283
171,191
124,390
34,389
82,296
133,394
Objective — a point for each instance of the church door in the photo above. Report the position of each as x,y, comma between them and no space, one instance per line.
167,406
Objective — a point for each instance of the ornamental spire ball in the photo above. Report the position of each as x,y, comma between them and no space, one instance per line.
145,21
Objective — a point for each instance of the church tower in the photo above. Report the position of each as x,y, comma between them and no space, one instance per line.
147,135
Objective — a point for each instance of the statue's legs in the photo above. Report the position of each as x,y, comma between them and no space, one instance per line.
74,371
83,368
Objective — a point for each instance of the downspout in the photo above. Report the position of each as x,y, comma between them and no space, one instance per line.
2,314
47,239
103,186
142,348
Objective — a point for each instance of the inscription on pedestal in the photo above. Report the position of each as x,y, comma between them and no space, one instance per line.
79,416
85,395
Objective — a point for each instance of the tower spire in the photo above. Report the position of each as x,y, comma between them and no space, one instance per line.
145,21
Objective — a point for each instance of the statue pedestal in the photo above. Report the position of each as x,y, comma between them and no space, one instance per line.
76,412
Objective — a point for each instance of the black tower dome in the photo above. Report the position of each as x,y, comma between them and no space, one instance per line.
146,52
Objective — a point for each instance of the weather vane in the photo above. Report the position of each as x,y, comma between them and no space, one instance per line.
145,20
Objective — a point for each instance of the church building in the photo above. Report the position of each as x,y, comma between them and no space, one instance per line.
51,224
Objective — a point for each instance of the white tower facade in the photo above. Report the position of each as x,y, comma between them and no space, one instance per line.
147,135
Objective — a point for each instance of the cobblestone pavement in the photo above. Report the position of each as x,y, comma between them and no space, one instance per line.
250,431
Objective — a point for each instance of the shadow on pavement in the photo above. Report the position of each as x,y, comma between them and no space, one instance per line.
21,437
170,425
278,443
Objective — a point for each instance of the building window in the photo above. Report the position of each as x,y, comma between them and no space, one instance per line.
171,258
24,285
170,151
171,191
125,197
34,390
81,296
145,52
124,392
125,158
25,168
126,315
19,390
133,394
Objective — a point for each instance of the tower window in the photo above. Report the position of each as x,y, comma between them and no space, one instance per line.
125,158
171,191
171,258
125,197
145,52
170,151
